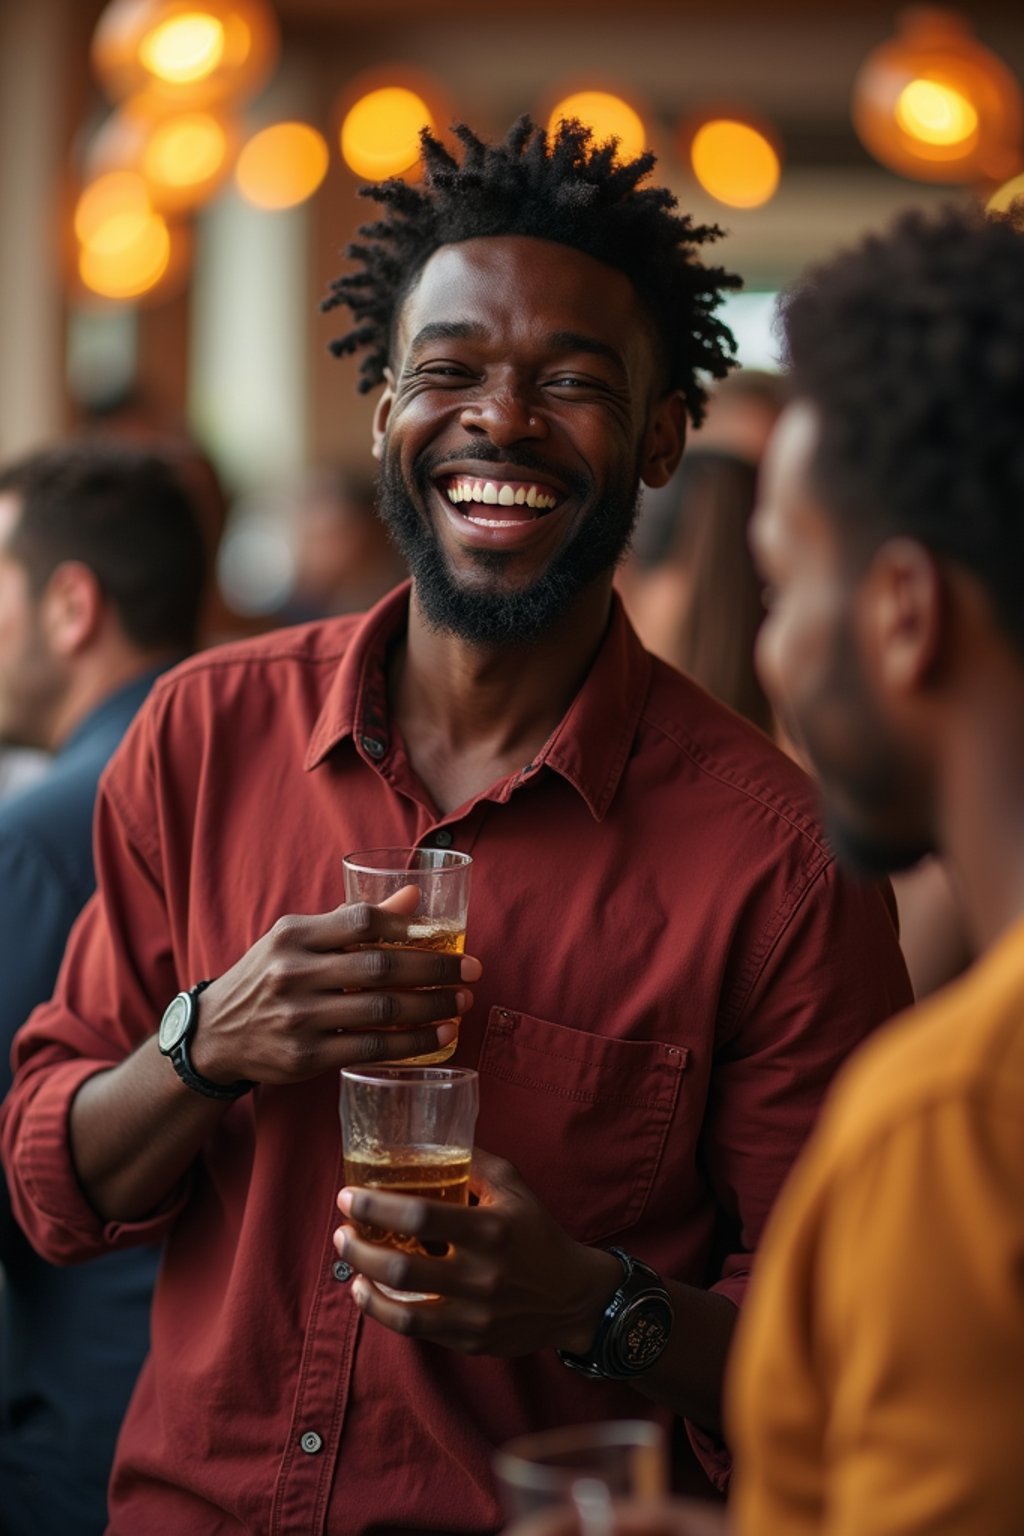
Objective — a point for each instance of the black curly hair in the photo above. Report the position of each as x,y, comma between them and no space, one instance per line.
911,348
567,189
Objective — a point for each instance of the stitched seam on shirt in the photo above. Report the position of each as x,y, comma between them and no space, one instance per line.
780,808
578,1095
759,954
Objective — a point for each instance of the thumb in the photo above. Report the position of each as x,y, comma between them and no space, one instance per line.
405,901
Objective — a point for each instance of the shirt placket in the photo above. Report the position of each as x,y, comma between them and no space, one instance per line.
303,1489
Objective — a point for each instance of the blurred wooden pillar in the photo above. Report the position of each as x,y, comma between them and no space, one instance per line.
41,46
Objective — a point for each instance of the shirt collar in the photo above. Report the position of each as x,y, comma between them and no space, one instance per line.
588,748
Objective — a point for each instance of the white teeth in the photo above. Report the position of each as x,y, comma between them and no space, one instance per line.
492,494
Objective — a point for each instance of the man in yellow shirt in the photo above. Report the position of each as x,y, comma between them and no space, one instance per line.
878,1380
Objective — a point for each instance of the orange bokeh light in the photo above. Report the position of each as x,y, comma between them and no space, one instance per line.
380,134
735,163
188,52
934,104
282,165
608,116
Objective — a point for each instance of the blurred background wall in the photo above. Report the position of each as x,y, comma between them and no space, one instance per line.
227,341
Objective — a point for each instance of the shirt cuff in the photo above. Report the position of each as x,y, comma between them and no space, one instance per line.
712,1452
48,1199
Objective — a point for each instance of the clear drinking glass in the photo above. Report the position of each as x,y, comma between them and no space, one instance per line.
583,1467
408,1131
441,877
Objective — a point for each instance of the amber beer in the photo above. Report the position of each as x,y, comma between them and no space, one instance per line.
429,1173
408,1131
444,941
441,877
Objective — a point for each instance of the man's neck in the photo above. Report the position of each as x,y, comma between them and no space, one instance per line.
91,685
470,715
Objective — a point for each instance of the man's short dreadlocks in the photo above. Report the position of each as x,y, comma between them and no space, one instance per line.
570,191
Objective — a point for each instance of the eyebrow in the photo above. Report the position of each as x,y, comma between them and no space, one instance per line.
558,341
448,330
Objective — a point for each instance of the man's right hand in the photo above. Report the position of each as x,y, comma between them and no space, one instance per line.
311,996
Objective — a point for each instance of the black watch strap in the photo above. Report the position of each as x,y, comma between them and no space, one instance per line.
635,1327
182,1063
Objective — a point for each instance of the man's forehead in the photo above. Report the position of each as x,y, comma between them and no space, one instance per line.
788,507
468,283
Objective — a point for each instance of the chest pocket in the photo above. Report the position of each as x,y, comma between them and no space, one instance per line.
584,1118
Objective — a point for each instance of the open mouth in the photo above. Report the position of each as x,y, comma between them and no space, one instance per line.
499,503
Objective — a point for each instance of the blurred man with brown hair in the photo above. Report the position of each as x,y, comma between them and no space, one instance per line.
101,578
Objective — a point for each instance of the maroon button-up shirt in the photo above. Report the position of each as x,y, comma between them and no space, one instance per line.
673,969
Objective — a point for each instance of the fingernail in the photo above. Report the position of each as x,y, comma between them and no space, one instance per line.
340,1242
446,1033
463,1000
359,1292
345,1201
470,969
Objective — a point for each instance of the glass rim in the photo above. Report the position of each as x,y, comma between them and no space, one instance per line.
514,1462
395,861
444,1077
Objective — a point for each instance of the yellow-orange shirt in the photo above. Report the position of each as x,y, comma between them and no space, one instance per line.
877,1385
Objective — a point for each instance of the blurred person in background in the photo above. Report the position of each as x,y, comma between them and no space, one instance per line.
345,560
18,767
878,1385
741,415
101,579
692,593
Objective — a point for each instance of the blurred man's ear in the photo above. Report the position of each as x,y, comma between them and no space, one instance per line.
904,604
71,608
664,440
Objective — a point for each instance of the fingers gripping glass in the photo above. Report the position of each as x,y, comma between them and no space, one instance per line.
437,906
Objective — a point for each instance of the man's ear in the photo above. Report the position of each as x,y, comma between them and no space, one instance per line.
904,610
71,607
664,440
381,414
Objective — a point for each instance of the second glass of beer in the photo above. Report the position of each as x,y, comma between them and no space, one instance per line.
441,876
408,1131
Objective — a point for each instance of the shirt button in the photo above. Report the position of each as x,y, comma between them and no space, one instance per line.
342,1271
311,1442
372,746
444,838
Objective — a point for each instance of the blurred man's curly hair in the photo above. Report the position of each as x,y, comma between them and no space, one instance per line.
568,190
911,347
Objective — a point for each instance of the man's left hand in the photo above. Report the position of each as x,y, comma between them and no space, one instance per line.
510,1281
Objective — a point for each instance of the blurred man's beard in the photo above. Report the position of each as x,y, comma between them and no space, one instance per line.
489,615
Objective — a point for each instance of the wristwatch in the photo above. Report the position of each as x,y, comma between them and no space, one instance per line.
635,1327
177,1028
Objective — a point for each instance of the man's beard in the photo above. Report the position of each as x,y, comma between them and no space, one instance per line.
496,615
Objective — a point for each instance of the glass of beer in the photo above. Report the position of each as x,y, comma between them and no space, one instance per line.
441,876
408,1131
584,1467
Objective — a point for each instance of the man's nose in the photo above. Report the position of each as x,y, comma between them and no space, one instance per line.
505,416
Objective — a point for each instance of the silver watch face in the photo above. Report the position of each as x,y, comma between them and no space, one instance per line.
175,1022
